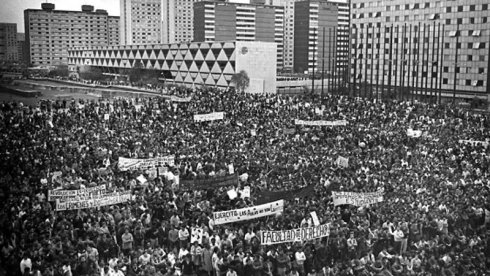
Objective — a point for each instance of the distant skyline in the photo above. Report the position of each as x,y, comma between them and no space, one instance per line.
12,11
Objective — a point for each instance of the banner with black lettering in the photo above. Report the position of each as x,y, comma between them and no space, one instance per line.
210,183
320,123
209,117
475,143
180,100
268,196
103,200
294,235
64,195
126,164
258,211
356,199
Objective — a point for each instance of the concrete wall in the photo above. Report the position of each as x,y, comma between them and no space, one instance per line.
258,59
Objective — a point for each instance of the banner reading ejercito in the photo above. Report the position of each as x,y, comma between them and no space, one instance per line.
247,213
294,235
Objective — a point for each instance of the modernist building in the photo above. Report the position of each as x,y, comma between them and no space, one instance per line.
191,64
141,22
156,21
8,42
223,21
178,21
433,44
311,18
22,49
342,29
49,32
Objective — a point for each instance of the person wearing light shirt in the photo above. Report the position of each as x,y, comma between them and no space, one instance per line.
183,236
300,260
400,239
248,237
25,263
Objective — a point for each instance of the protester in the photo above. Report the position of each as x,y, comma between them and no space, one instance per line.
433,219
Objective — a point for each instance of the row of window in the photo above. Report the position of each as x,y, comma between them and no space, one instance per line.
426,5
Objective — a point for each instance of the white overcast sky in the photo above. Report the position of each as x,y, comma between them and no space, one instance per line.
12,11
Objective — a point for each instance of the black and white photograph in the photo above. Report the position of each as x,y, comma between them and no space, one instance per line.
244,138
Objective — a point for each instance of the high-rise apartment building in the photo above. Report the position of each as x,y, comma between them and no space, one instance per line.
22,48
178,20
141,22
315,23
418,44
342,37
156,21
228,21
49,32
8,42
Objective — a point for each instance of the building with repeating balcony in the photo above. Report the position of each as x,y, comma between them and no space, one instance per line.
8,42
229,21
422,44
49,32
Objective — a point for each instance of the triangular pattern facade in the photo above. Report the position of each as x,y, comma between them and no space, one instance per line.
195,63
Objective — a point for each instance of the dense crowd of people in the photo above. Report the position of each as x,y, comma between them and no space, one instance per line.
433,219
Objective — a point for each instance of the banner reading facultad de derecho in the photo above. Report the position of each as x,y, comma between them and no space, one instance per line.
108,199
209,117
294,235
356,199
320,123
248,213
126,164
70,194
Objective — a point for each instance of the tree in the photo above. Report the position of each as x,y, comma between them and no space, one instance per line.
91,73
59,71
241,81
136,72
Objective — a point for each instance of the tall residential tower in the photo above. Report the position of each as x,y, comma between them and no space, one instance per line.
49,32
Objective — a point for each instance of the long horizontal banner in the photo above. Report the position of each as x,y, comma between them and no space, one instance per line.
294,235
356,199
268,196
210,183
320,123
108,199
180,100
248,213
126,164
72,194
475,143
209,117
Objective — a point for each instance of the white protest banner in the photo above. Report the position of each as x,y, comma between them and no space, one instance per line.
209,117
294,235
342,162
356,199
474,143
245,192
106,117
70,194
248,213
108,199
126,164
414,133
142,179
232,194
314,216
196,235
321,123
180,100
